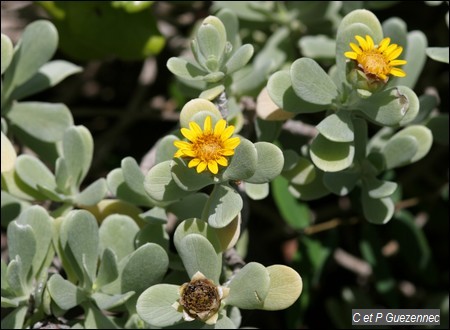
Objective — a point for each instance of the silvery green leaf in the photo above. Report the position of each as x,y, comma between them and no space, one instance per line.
311,83
223,205
49,75
78,149
154,305
37,45
160,185
331,156
79,233
286,285
44,121
38,219
145,267
185,69
239,59
22,244
7,52
196,226
270,163
399,152
249,287
15,279
282,94
64,293
199,255
396,29
439,54
93,193
34,173
337,127
391,107
117,233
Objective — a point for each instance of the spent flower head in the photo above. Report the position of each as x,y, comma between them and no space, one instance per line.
200,299
209,147
377,61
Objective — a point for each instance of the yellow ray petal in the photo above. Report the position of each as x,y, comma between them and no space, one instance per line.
231,143
362,42
201,167
212,166
397,62
351,55
396,53
383,44
178,154
390,49
188,152
182,144
188,134
207,124
220,126
227,132
397,72
227,152
194,162
222,161
370,43
195,128
355,48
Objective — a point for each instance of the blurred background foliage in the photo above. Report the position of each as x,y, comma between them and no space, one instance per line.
128,99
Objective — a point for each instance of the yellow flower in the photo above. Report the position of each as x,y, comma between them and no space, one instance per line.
377,61
207,148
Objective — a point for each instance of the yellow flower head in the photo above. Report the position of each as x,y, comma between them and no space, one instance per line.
377,61
207,147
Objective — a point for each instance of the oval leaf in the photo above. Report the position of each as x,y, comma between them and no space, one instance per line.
311,83
377,211
337,127
7,52
78,149
249,287
8,154
33,172
270,163
399,151
243,163
154,305
45,121
160,185
285,287
145,267
222,207
118,233
331,156
199,255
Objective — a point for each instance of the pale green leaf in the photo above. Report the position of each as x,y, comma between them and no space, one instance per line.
199,255
145,267
187,178
377,211
160,185
285,287
108,270
311,83
7,52
64,293
239,59
270,163
249,287
117,233
331,156
257,191
154,305
93,193
8,154
243,163
400,151
78,150
439,54
49,75
223,205
183,68
44,121
337,127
